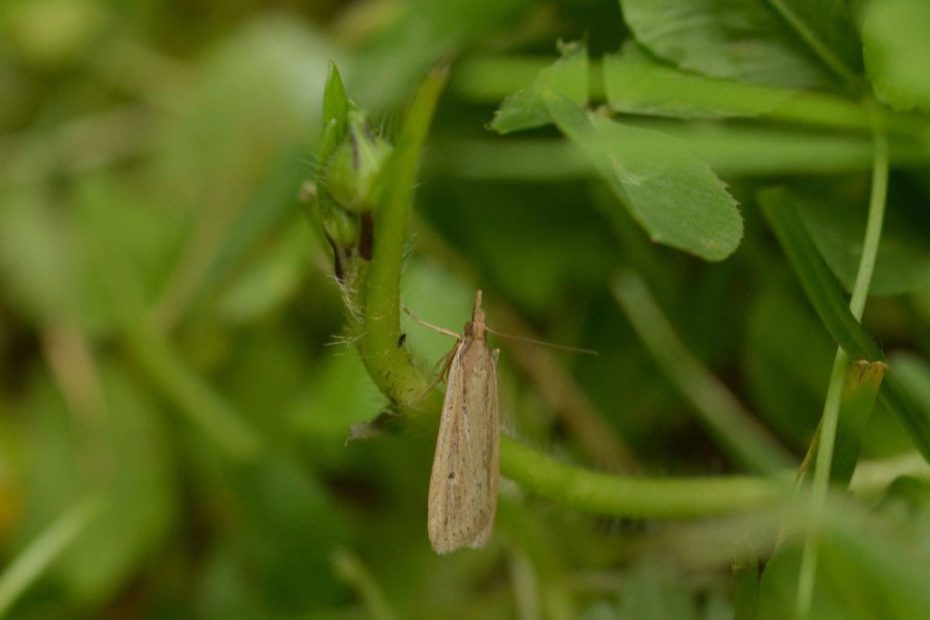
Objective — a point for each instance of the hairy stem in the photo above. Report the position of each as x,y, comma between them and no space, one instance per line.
382,351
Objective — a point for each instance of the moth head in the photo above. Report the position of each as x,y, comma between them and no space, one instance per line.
476,328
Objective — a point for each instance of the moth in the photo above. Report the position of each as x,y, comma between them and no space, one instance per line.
466,466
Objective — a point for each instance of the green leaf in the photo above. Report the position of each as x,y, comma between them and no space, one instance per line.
251,106
286,529
860,389
419,34
37,257
913,375
269,281
672,194
271,205
896,48
335,112
205,408
827,28
525,109
140,489
136,231
868,568
155,355
340,395
778,43
903,262
780,208
121,452
257,96
824,292
908,496
786,387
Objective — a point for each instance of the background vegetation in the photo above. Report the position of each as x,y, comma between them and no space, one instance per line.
695,188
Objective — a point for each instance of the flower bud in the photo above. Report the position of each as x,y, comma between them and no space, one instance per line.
352,170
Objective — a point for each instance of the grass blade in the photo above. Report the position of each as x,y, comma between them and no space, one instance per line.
45,549
745,439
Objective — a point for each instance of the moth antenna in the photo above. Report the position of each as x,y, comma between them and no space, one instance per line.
441,330
542,343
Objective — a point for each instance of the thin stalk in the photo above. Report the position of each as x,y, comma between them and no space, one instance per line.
831,408
734,429
353,572
44,550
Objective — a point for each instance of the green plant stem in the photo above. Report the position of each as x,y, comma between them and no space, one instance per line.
737,150
645,498
733,427
538,573
45,549
350,568
821,483
873,230
387,361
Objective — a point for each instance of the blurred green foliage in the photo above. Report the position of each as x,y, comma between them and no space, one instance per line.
177,383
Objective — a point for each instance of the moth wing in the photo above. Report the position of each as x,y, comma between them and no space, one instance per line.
493,447
463,482
444,496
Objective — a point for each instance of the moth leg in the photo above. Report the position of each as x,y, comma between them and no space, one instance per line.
446,364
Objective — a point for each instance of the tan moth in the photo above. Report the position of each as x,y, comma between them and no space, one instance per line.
466,465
